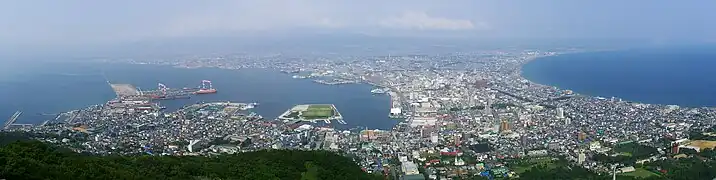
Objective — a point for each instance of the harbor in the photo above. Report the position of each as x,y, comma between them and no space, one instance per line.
248,85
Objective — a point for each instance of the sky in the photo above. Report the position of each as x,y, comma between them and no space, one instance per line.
39,23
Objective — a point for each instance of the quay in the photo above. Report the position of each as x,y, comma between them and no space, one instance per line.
336,82
130,92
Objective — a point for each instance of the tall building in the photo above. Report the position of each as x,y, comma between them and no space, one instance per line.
488,107
675,148
560,113
567,121
523,140
473,101
504,126
581,157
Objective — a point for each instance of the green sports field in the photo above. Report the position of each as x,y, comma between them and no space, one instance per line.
318,112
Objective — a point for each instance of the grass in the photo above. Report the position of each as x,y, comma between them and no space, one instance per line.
704,144
628,154
320,106
318,112
311,112
640,172
533,162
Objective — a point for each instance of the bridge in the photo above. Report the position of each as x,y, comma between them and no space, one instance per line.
12,119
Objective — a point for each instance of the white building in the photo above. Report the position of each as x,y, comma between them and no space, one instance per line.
423,121
560,113
409,168
395,111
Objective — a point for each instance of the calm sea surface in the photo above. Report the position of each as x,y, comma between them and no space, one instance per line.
684,76
57,87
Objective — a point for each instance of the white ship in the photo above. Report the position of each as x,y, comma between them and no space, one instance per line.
379,91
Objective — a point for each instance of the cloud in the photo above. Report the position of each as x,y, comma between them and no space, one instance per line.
252,16
422,21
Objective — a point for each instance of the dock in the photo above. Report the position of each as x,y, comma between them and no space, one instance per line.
128,91
335,82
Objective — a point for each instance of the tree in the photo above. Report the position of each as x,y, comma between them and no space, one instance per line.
36,160
311,172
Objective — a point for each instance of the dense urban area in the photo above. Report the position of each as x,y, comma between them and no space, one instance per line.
467,115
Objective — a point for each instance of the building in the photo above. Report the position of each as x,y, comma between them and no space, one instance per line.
567,121
523,140
472,102
504,126
410,168
593,146
560,113
581,157
627,169
423,121
396,111
537,153
414,177
674,148
582,136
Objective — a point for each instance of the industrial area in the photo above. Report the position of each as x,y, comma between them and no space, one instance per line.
130,99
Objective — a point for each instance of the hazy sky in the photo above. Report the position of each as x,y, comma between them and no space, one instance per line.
92,21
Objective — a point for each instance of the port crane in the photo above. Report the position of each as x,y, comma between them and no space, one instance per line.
162,88
206,84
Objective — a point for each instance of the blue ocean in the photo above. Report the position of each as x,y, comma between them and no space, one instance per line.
684,76
40,90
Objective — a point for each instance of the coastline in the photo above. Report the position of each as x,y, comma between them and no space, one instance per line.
581,94
574,93
365,82
38,121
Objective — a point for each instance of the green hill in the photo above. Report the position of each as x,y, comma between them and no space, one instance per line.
29,159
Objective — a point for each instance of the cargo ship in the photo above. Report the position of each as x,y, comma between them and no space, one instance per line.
205,91
206,88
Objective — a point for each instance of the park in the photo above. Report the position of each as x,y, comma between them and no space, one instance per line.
312,112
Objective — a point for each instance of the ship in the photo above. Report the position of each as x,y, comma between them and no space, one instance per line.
205,91
379,91
206,88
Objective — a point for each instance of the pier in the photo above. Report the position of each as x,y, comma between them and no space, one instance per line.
164,93
334,82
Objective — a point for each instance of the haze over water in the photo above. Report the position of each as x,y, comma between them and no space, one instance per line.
682,76
53,88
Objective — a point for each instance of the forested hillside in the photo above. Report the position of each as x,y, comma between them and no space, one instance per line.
29,159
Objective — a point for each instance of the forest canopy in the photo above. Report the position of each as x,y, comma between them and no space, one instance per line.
31,159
